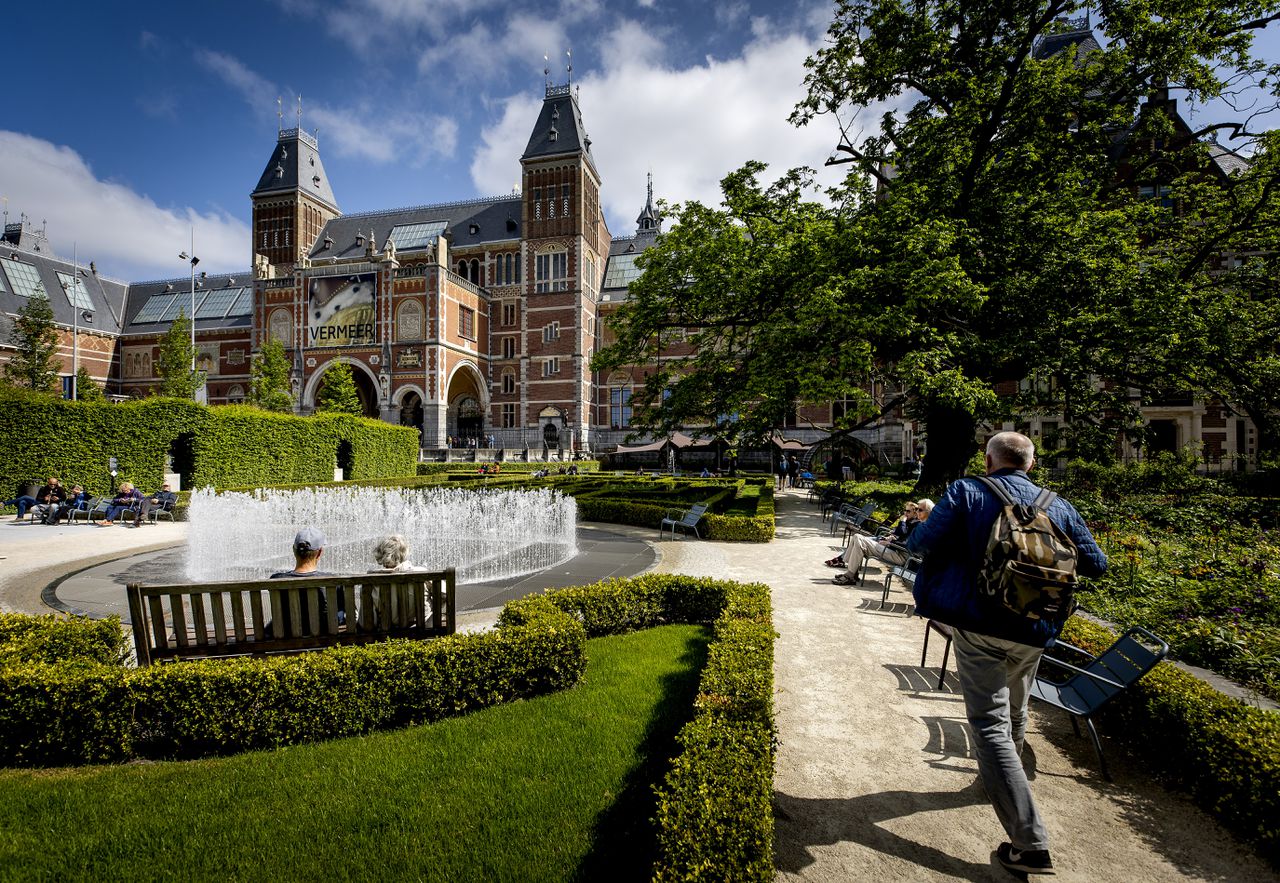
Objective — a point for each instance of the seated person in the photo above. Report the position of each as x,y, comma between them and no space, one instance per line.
706,473
79,500
48,497
308,546
128,498
392,555
161,499
885,548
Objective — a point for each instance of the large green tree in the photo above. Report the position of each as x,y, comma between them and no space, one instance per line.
991,233
177,377
34,336
87,389
270,378
338,393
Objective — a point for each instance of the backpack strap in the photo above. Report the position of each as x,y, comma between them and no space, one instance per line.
1042,501
996,488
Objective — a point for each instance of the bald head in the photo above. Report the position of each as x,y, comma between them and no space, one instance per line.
1010,450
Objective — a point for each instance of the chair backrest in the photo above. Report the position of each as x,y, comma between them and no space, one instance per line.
1124,662
695,513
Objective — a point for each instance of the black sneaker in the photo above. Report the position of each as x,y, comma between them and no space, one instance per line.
1027,861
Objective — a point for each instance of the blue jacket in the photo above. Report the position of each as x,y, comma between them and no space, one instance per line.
953,541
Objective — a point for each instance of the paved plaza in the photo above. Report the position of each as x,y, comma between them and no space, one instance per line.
875,776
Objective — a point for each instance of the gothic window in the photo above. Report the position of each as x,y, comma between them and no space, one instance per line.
509,416
508,382
551,366
508,312
550,332
475,272
462,269
508,347
620,407
551,272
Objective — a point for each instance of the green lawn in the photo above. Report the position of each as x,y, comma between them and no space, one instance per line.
557,788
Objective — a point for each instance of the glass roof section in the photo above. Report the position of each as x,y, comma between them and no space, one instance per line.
216,304
407,237
24,278
243,305
622,271
181,303
153,309
75,291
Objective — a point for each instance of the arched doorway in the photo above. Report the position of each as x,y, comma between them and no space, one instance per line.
366,386
467,404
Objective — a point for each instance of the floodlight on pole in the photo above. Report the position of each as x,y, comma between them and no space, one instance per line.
192,315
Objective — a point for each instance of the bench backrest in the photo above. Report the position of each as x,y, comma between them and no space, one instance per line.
288,615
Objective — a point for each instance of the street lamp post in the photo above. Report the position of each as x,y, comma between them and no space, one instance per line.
75,324
191,316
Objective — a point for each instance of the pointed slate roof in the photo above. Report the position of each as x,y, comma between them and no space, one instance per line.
468,222
559,129
295,166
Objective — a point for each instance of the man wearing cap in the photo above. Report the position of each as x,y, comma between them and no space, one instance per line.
308,546
161,499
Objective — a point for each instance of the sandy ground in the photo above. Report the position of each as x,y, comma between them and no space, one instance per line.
875,778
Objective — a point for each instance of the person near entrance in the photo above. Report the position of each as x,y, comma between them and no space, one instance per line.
997,649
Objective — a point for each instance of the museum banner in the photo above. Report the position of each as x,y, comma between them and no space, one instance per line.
340,310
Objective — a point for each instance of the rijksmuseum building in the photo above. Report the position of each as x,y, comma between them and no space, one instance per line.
470,319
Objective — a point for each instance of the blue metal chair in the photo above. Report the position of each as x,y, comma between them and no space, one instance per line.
1100,680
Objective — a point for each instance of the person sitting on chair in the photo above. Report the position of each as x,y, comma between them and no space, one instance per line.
392,555
162,499
128,498
48,497
888,548
79,500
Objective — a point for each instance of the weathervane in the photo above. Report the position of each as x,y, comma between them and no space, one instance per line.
279,115
569,54
299,112
546,70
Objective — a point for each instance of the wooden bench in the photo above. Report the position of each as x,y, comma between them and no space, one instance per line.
685,519
234,618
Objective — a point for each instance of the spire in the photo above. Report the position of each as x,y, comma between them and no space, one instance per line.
649,221
295,166
559,129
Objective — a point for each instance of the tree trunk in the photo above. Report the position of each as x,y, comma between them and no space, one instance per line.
949,444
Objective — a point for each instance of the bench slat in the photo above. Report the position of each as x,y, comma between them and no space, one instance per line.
179,621
295,614
157,622
219,620
237,616
255,608
331,618
198,620
366,608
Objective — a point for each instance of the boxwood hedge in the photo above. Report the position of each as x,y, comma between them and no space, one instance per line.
41,435
1224,752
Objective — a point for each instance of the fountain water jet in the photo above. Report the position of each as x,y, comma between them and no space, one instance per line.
485,535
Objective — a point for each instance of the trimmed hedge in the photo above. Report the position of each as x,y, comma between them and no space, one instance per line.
508,466
57,714
715,807
41,435
1222,751
58,639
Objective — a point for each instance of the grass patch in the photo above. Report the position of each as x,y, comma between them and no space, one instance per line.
554,788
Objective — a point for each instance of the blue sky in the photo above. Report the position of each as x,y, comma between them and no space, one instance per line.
127,124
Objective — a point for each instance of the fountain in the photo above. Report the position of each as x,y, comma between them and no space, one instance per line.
485,535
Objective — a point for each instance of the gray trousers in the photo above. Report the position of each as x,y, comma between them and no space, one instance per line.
995,677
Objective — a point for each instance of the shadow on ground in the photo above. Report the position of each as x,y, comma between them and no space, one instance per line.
624,839
858,820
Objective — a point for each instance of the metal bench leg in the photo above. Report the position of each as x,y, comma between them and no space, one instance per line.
924,654
1097,747
942,672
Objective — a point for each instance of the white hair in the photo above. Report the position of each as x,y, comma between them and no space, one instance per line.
1011,449
391,552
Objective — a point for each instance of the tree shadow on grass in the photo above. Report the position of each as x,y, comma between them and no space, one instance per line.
623,840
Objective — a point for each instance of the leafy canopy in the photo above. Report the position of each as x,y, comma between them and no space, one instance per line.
338,393
991,234
178,379
270,379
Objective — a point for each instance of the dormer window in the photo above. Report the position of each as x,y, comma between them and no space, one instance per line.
473,229
328,243
360,239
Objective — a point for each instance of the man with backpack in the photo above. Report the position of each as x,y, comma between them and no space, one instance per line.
1001,559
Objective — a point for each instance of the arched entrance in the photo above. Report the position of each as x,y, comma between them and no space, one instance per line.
366,386
467,404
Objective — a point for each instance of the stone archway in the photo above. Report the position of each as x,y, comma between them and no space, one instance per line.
467,403
366,385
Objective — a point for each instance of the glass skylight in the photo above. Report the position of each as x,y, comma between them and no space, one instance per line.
243,305
407,237
24,278
154,308
181,303
215,305
622,271
75,291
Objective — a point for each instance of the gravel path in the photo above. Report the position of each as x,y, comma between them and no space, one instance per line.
875,778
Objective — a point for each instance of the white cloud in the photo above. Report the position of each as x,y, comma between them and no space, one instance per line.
363,132
124,232
690,126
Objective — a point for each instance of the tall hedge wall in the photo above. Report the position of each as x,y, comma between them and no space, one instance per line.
230,444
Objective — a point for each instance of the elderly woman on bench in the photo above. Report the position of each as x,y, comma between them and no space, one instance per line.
888,548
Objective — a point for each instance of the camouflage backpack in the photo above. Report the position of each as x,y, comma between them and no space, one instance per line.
1030,563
